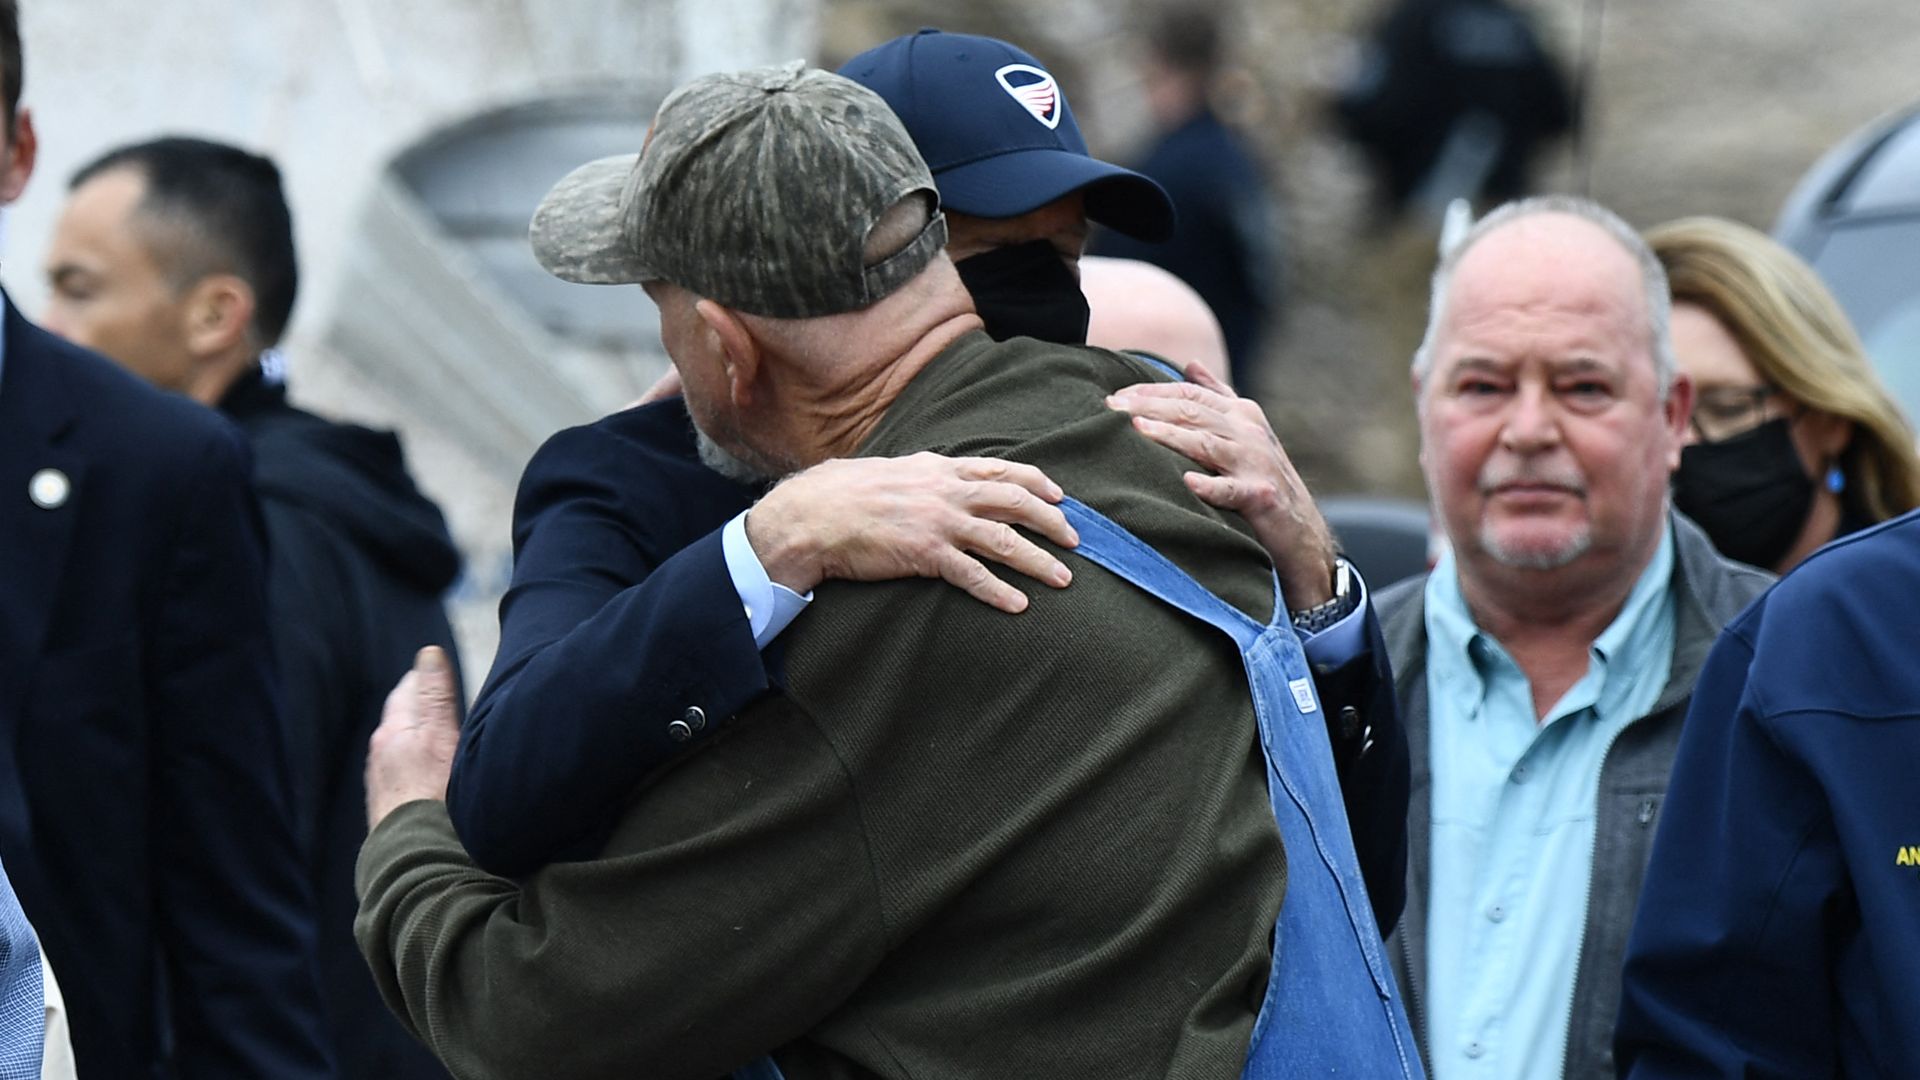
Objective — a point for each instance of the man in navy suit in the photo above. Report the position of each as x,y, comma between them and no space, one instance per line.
144,818
647,602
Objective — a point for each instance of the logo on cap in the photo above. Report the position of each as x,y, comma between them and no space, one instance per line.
1034,90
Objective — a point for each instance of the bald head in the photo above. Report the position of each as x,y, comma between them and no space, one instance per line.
1137,305
1543,243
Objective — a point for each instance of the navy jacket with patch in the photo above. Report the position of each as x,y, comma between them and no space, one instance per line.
1778,934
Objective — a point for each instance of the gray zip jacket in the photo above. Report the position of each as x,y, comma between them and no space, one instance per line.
1709,590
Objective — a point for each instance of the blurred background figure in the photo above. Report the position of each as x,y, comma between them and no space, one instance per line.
1137,305
144,813
1794,438
175,258
1226,240
1450,100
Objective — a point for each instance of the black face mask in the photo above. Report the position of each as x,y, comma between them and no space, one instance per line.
1751,493
1026,291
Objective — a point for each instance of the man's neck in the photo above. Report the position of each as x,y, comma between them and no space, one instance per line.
828,404
215,377
1548,620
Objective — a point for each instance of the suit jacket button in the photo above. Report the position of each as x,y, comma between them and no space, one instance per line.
678,731
695,717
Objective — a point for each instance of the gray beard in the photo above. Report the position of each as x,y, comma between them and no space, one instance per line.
1552,559
717,458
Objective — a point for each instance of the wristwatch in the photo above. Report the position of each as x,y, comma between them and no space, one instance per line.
1345,598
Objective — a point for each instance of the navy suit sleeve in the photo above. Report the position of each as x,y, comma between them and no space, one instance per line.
607,636
1728,970
235,906
1370,754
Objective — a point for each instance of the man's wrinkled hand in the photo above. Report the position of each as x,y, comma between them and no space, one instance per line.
877,519
1248,471
411,753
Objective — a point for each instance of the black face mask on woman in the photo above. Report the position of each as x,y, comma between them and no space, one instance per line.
1026,290
1751,493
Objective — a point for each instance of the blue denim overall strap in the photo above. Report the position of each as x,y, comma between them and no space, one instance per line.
1331,1008
1157,364
764,1069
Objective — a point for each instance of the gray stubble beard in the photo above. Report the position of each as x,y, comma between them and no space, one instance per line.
725,462
1535,560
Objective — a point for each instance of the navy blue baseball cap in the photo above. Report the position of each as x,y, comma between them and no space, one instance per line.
996,130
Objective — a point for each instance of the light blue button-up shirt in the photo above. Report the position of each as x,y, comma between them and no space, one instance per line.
22,1005
1513,824
770,606
22,1011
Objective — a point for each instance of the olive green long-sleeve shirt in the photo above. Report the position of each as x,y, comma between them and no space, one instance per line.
963,844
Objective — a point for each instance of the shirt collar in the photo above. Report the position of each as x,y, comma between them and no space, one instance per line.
1457,647
1451,633
1628,628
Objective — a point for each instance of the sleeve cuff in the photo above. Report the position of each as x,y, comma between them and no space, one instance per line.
411,826
770,606
1344,640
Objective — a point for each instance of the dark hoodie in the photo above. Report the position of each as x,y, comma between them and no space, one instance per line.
358,562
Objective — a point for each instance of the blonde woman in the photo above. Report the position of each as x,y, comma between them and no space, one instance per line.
1795,440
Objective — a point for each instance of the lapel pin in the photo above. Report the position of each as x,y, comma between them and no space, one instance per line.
49,489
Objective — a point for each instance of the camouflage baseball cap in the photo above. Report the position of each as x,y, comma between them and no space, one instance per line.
756,189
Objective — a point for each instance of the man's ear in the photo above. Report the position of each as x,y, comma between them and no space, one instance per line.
738,350
21,151
219,312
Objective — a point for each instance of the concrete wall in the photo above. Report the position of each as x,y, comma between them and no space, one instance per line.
395,324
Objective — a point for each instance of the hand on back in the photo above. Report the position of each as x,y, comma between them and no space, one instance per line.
878,519
1246,470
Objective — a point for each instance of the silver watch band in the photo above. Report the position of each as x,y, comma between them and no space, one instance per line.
1345,598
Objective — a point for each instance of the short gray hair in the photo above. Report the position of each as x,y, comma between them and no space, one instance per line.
1653,277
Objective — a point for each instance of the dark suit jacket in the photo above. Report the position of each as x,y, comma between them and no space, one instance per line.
143,809
617,571
622,617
